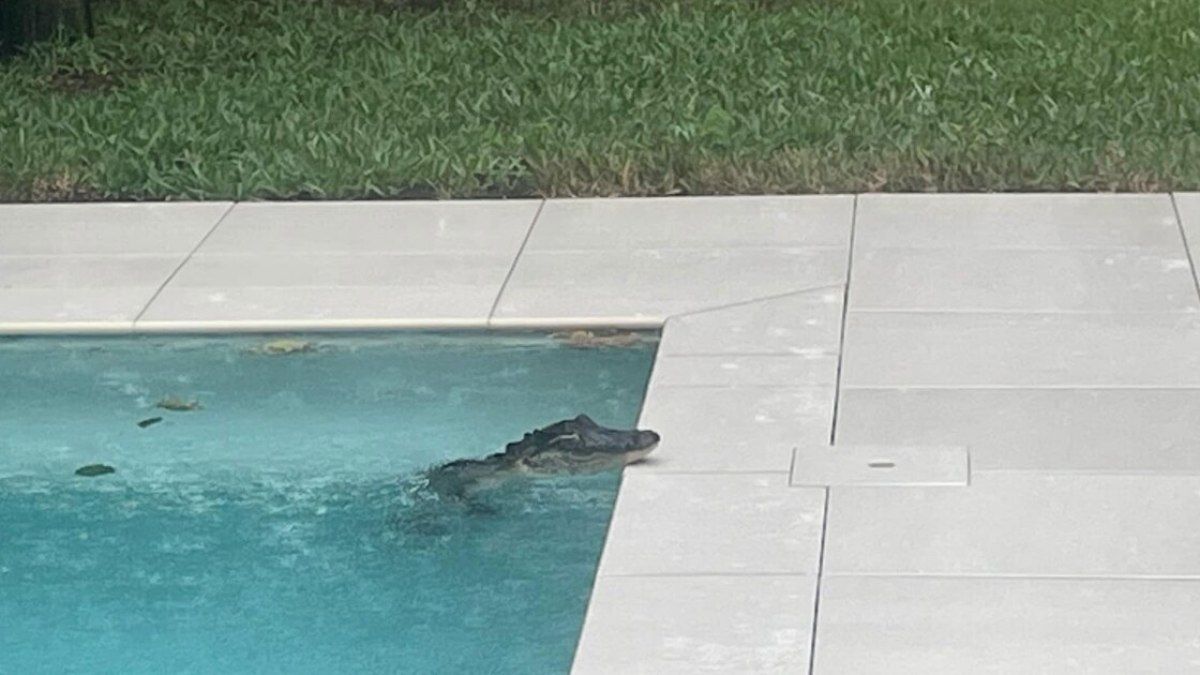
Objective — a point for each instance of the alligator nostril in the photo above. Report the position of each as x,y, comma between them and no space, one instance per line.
882,465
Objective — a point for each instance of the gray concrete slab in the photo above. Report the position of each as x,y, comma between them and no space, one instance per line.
964,221
694,222
280,287
118,229
955,626
892,349
723,625
1019,525
733,429
713,524
80,289
775,370
70,272
92,267
1106,280
548,286
631,260
51,310
805,322
1082,430
298,228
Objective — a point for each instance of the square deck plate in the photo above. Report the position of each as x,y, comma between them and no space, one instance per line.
880,465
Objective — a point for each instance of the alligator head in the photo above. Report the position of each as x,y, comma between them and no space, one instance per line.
579,445
571,446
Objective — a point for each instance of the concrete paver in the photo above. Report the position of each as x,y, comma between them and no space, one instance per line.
1012,524
912,349
440,287
1018,429
1105,280
443,262
173,228
954,626
53,310
653,284
658,223
734,625
806,323
81,289
1024,221
69,272
775,370
645,260
713,524
257,228
92,267
734,429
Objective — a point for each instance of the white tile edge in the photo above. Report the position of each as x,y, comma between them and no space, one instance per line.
66,327
307,325
580,322
214,203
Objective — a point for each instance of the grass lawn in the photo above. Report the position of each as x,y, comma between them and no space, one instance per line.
339,99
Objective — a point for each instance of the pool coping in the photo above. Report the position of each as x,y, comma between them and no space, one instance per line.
715,357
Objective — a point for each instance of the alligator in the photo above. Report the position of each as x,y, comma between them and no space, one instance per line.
571,446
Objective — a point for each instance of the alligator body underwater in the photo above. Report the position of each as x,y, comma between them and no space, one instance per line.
571,446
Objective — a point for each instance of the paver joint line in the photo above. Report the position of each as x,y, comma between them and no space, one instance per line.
188,257
752,301
816,616
1188,249
516,260
837,383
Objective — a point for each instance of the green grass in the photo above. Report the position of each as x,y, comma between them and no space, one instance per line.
329,99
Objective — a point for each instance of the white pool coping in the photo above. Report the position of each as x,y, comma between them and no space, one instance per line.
945,326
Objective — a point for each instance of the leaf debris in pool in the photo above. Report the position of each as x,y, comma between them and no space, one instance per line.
177,404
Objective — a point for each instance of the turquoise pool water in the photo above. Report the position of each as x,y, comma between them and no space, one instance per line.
272,530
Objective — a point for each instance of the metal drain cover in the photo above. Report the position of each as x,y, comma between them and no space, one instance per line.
880,465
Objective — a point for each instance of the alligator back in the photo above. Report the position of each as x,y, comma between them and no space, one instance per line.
458,479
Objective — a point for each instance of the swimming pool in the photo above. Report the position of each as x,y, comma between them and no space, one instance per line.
273,528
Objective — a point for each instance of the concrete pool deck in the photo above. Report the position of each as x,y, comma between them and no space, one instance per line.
926,434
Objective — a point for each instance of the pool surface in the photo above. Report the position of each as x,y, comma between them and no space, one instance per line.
275,529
